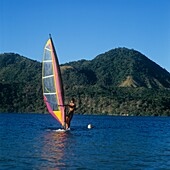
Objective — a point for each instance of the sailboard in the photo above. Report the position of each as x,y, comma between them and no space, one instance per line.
52,83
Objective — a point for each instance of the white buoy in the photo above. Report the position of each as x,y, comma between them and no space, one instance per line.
89,126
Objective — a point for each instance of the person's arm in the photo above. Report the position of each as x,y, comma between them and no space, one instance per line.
64,105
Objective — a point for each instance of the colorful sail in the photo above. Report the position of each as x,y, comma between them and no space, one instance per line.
52,83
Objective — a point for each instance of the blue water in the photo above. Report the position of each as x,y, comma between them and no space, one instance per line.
29,141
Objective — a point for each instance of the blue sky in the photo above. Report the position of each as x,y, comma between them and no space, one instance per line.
82,29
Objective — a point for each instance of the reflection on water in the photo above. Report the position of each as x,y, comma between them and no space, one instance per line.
54,151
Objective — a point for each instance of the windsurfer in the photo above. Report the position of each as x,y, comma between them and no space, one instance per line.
70,112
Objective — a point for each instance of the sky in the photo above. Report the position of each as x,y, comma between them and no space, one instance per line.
83,29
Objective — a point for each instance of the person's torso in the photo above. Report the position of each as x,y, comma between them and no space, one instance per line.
72,107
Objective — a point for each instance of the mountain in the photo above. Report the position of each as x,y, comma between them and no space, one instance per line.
125,68
120,82
20,84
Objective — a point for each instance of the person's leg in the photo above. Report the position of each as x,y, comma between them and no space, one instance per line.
69,119
67,122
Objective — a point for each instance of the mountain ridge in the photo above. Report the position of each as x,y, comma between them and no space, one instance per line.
133,64
118,82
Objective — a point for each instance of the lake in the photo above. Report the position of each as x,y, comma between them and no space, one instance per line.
30,141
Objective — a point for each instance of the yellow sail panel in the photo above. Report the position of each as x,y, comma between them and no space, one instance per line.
59,115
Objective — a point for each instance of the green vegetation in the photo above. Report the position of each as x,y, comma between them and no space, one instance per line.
118,82
20,84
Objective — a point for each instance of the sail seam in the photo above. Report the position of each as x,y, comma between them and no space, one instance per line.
49,93
47,61
48,76
47,49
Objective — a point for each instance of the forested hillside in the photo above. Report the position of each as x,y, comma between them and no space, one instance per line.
20,84
118,82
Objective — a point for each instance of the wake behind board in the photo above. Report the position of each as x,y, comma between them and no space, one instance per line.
62,130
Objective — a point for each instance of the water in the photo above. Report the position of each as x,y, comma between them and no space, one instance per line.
29,141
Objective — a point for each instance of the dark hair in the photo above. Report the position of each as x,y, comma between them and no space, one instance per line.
73,100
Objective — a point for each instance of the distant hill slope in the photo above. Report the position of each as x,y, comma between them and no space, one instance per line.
118,82
15,68
125,68
20,84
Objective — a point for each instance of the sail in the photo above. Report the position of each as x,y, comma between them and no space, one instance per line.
52,83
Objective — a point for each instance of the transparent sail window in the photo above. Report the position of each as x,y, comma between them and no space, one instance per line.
48,69
51,99
49,86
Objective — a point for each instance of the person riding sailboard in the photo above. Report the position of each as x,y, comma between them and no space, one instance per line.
69,114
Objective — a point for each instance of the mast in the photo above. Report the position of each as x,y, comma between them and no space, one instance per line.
60,78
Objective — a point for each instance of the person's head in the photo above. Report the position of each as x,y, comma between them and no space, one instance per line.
72,100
